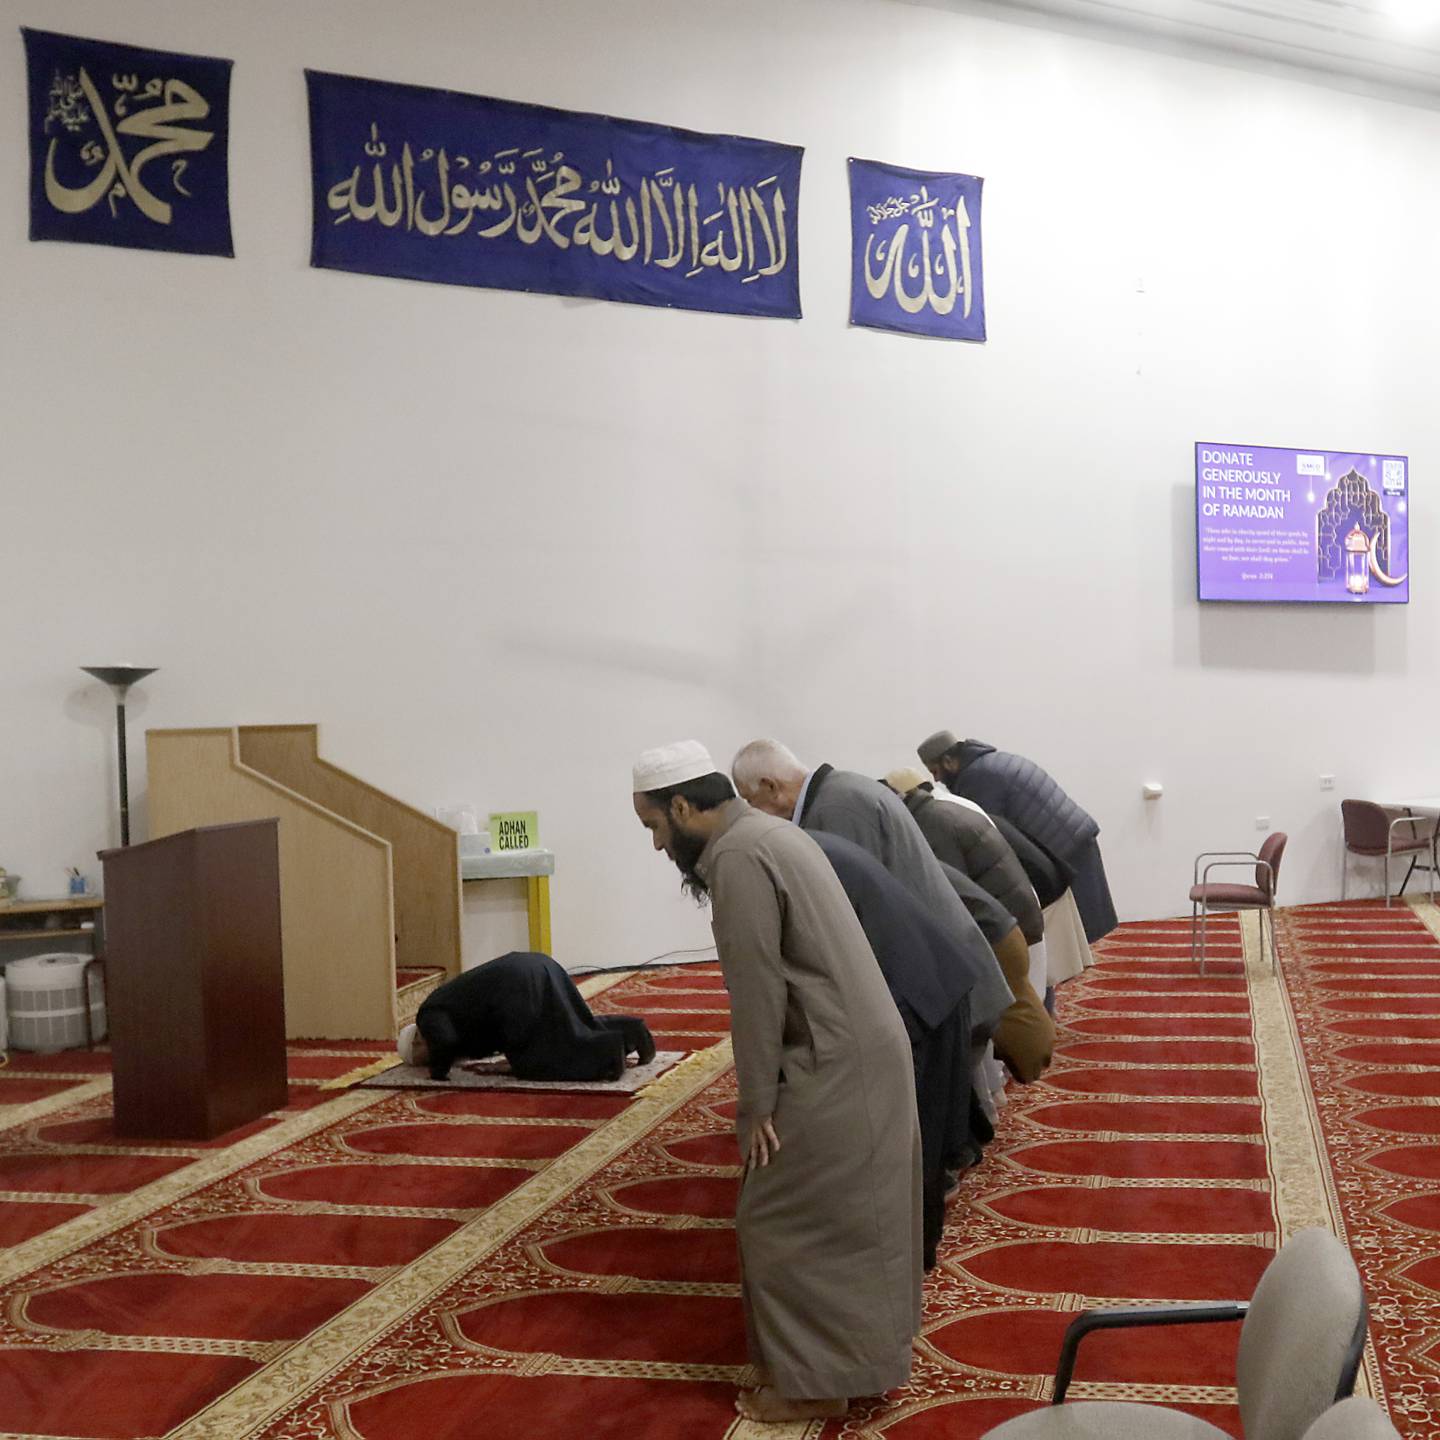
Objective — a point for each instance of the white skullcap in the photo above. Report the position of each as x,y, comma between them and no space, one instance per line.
906,779
405,1043
671,765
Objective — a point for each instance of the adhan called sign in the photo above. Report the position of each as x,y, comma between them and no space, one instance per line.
514,830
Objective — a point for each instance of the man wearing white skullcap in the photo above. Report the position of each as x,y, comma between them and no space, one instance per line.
828,1220
671,765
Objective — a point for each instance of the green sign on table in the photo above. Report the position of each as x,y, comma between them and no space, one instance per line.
517,831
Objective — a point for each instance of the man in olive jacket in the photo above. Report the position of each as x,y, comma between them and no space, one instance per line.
966,840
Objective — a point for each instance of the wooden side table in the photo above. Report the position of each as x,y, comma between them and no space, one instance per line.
52,919
61,919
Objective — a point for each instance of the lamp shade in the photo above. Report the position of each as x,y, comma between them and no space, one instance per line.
119,674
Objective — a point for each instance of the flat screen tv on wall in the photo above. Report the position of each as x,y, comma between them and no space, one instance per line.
1317,526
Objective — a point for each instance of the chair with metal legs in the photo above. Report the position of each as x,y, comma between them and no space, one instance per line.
1371,830
1302,1336
1207,894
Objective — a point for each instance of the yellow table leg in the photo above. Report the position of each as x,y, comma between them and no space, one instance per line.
537,896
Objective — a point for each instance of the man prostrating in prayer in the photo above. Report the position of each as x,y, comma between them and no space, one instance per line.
828,1220
523,1006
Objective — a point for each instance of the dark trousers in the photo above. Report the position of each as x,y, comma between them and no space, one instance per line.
943,1088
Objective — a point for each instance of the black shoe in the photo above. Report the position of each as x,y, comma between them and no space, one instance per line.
638,1039
644,1043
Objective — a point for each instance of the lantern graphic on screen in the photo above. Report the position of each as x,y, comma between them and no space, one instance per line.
1357,562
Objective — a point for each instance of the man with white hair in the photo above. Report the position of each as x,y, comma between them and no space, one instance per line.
868,812
829,1216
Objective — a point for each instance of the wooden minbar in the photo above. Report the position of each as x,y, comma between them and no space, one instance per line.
194,981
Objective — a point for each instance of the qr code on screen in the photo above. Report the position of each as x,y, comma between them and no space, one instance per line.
1393,476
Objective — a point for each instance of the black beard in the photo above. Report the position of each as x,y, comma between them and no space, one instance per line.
686,852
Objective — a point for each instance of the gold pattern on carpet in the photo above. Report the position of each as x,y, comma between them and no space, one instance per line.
15,1115
256,1401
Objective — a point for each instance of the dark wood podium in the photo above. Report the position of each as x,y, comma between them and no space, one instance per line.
193,981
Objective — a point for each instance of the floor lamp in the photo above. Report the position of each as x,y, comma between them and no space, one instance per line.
120,678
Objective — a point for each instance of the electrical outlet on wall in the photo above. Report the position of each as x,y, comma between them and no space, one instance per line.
1262,822
1327,782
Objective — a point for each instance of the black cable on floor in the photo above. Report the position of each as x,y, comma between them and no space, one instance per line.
645,965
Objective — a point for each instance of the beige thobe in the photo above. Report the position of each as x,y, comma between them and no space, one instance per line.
830,1231
1067,951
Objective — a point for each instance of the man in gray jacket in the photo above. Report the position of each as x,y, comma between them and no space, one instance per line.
767,774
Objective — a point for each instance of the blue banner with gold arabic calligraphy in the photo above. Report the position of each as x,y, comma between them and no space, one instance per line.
128,146
915,251
435,185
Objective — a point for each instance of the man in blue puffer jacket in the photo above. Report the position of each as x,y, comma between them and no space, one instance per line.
1033,802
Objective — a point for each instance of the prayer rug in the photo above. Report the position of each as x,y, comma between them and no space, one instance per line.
496,1076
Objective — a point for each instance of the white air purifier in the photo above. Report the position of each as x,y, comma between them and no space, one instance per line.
45,1003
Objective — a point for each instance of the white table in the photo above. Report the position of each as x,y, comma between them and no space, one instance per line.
535,867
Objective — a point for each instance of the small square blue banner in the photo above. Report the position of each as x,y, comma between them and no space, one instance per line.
915,251
128,146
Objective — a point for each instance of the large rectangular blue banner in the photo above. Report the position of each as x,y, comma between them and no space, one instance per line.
435,185
915,251
128,146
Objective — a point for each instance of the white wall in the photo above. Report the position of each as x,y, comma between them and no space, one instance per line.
496,543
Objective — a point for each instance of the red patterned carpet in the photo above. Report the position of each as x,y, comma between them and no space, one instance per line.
384,1265
1364,982
59,1156
159,1276
546,1333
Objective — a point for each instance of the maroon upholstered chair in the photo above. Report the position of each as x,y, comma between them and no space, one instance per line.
1207,894
1382,831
